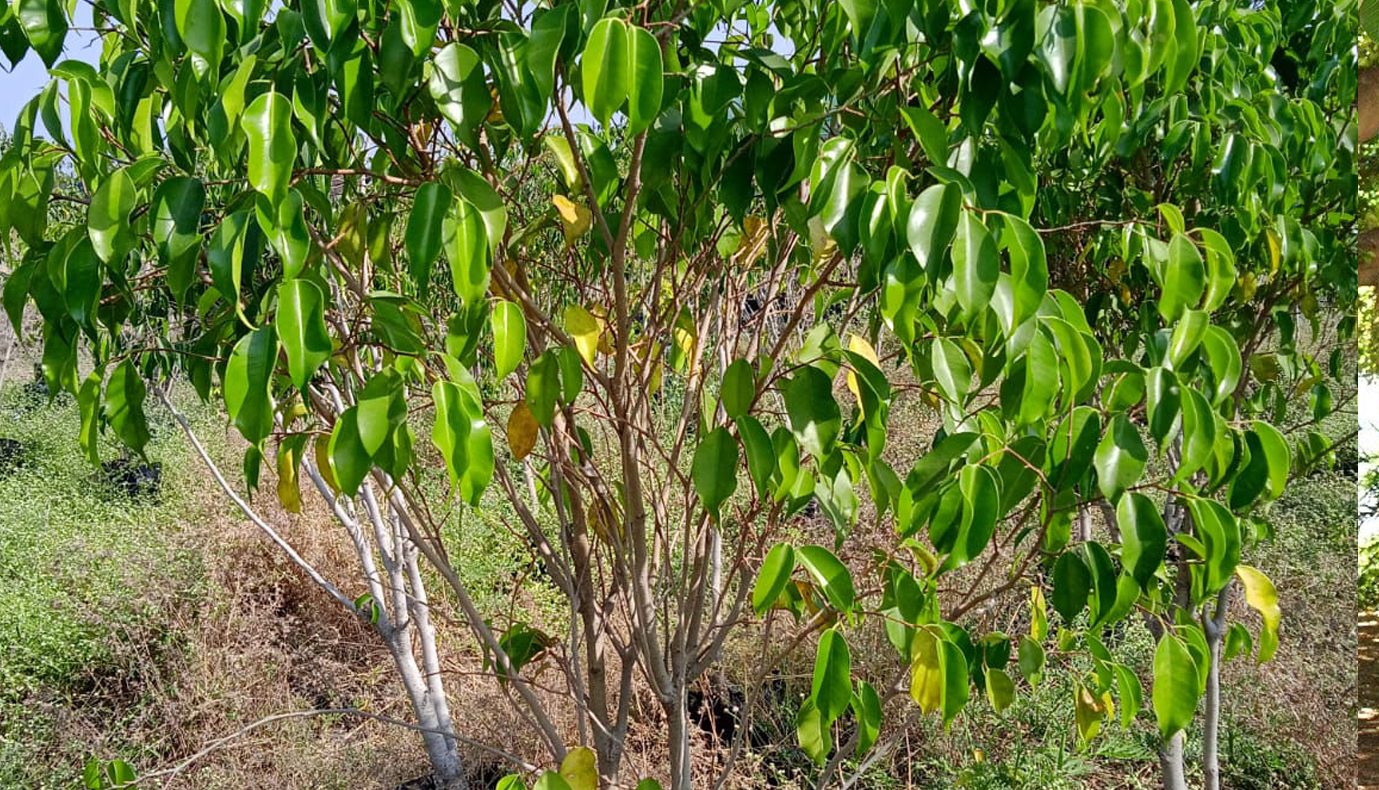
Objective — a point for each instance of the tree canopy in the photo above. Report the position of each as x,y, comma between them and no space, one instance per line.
684,261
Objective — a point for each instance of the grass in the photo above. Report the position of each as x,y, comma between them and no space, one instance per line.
88,574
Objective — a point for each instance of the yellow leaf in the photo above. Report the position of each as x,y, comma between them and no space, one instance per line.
859,345
321,448
1275,245
581,325
754,234
926,672
580,770
686,336
289,491
605,343
1039,615
575,219
522,430
1089,711
1263,597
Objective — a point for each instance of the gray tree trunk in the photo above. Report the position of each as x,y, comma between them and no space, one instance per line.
1215,628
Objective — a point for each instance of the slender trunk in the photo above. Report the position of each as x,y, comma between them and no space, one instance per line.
1171,763
681,766
1215,627
441,749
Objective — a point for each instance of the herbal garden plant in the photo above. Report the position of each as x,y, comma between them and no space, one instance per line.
659,273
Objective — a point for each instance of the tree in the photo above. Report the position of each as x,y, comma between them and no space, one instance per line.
650,241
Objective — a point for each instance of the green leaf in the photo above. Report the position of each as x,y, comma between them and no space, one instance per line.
551,781
267,124
830,574
382,407
1199,434
1182,61
463,439
976,265
952,370
124,406
866,706
831,689
350,463
1261,595
714,469
420,19
82,282
1219,533
1120,458
813,733
45,25
467,250
932,222
301,326
248,382
424,235
812,412
543,388
606,68
1031,659
1278,457
1223,357
1175,686
177,206
761,454
1000,689
108,217
509,337
1144,538
645,86
1029,268
456,83
739,388
1131,694
1183,280
1072,582
773,577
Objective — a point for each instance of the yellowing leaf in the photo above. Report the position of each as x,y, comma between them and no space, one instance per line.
580,770
754,234
575,219
321,448
1263,597
522,429
926,672
859,345
289,492
584,329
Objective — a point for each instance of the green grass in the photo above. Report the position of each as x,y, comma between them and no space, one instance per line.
87,576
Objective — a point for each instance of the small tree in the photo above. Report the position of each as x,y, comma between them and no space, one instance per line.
657,244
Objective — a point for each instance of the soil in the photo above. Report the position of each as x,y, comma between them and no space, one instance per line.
1367,750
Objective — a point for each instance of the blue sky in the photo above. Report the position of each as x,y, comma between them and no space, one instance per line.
28,78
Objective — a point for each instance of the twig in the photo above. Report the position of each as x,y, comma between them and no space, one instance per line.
224,741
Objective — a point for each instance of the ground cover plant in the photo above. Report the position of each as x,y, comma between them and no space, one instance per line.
655,279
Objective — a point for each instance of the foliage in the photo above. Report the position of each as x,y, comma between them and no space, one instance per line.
1069,230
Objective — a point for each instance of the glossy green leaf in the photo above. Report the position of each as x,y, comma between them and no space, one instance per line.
714,468
1143,535
509,337
248,383
812,412
773,577
108,217
831,687
932,222
124,406
1120,457
739,388
644,86
177,206
45,25
952,370
82,279
267,125
456,84
424,234
420,19
350,463
1175,686
976,264
1183,279
830,574
866,707
301,327
761,454
1029,269
606,68
467,250
1072,582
